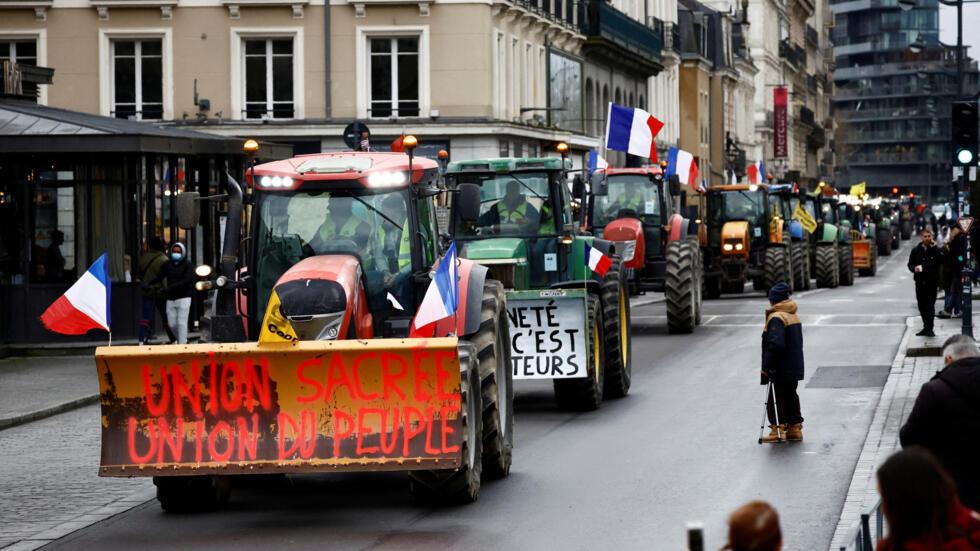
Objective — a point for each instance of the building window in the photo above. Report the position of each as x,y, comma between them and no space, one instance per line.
19,51
137,79
268,76
394,72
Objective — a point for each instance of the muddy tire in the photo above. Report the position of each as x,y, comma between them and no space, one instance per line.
807,268
462,485
777,266
845,261
192,494
799,266
585,393
618,336
827,271
496,381
883,239
680,287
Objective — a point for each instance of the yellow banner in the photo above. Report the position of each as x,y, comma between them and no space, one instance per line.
858,190
809,224
275,326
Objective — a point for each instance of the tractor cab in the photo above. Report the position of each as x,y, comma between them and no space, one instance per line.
354,217
739,213
632,207
524,208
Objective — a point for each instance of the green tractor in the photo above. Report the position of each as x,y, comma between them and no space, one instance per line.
568,323
786,198
830,248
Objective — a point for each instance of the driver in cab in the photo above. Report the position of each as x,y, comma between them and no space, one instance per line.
513,209
341,224
630,199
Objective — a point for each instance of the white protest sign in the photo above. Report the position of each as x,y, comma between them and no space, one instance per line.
547,334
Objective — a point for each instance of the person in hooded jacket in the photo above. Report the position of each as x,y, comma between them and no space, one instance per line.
946,417
179,276
918,499
782,363
147,269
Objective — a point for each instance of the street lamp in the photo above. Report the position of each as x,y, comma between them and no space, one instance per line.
918,45
906,5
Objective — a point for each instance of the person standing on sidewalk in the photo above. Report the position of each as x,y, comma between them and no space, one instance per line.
147,269
180,285
924,262
782,363
946,417
955,252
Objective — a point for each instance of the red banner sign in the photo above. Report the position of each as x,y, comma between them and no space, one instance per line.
780,101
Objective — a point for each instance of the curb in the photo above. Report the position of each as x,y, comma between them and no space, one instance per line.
7,422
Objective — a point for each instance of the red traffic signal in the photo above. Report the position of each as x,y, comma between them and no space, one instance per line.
894,191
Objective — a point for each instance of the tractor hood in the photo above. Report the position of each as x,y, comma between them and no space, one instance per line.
498,249
735,238
314,298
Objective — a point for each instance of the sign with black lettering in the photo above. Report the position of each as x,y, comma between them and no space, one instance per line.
547,334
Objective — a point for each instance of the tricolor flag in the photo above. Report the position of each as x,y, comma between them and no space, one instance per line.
597,262
442,296
757,172
682,164
85,305
398,146
596,162
632,130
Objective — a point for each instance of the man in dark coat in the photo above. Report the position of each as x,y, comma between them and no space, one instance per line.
924,261
946,417
782,364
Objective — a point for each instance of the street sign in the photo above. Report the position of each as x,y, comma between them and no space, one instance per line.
352,134
965,222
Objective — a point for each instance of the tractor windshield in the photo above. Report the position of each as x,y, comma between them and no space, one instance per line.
370,226
630,195
737,205
511,205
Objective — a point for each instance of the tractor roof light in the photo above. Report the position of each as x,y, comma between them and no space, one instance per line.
410,142
251,147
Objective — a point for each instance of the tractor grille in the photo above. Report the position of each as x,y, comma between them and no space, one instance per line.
504,273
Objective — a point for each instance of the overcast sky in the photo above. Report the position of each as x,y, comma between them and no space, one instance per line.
971,22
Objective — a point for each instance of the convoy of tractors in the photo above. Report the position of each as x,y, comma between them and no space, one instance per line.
319,350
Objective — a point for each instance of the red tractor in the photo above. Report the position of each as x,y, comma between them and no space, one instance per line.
639,211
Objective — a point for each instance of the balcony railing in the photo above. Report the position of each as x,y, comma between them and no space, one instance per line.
806,116
811,36
893,113
793,53
940,133
620,39
889,90
885,158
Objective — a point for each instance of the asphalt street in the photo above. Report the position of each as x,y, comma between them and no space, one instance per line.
681,447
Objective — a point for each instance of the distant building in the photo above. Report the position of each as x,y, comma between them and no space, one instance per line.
894,84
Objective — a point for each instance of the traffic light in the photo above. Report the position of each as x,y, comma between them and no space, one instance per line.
965,133
894,191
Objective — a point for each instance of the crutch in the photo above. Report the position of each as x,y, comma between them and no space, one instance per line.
770,392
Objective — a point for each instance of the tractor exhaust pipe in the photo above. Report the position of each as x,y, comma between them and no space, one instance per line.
226,323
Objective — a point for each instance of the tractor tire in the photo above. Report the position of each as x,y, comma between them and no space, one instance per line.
616,330
492,342
699,279
680,288
192,494
906,230
845,261
799,266
585,393
807,268
896,240
712,287
777,266
883,242
827,270
462,485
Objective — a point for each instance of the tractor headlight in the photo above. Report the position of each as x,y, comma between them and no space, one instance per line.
387,179
728,247
739,246
274,182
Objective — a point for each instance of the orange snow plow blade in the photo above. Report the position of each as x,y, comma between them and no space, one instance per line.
312,406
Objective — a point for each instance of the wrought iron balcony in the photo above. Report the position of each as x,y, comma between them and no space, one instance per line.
793,53
616,38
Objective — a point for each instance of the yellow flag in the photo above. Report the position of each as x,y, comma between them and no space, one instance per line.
275,326
809,224
857,190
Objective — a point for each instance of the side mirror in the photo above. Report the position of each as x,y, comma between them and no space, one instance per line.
188,210
578,187
674,185
600,185
469,202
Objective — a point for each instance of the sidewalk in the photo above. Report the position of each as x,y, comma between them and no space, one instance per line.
917,360
34,388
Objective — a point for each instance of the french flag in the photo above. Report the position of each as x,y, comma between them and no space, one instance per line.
682,164
757,172
84,306
632,130
442,296
596,162
598,262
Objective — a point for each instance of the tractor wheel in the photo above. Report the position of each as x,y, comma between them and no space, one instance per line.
845,262
192,494
906,230
799,267
497,381
617,332
712,287
807,268
776,266
462,485
827,271
883,241
698,279
680,282
585,393
896,240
